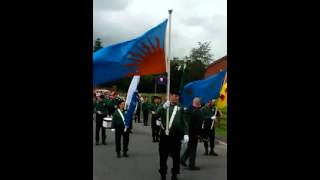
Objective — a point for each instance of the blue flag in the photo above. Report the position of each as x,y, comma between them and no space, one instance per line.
131,109
141,56
206,89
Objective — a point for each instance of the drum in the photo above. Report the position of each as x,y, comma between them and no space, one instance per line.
107,121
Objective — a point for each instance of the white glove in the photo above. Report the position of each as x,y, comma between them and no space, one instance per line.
213,121
158,122
166,105
153,112
99,112
112,130
185,138
125,129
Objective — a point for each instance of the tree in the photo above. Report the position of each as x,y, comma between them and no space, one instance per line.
202,53
195,70
97,45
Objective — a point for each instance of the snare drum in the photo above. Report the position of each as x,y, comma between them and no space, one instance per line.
107,121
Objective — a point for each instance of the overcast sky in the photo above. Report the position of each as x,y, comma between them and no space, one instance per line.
115,21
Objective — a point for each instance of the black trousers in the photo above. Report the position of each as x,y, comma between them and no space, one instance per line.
191,151
155,129
137,116
99,120
119,131
211,135
145,117
111,110
169,145
130,125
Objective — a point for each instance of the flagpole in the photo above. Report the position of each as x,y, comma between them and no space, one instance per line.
224,79
168,68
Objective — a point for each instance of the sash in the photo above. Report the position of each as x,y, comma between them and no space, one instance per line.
119,111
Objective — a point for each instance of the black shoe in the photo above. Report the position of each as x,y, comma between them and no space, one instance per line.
163,177
174,177
194,168
125,154
206,153
104,143
118,155
213,153
183,164
97,143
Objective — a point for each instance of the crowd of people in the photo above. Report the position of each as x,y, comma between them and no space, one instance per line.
186,125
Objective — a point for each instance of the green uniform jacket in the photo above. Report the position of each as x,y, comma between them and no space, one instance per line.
179,125
108,102
154,107
194,118
100,106
117,121
145,106
207,114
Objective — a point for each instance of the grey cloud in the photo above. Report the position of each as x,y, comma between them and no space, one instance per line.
121,20
112,31
193,20
216,24
110,4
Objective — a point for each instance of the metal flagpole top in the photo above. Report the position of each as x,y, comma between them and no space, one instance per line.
168,68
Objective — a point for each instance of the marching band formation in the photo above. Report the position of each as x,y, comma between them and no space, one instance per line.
186,125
